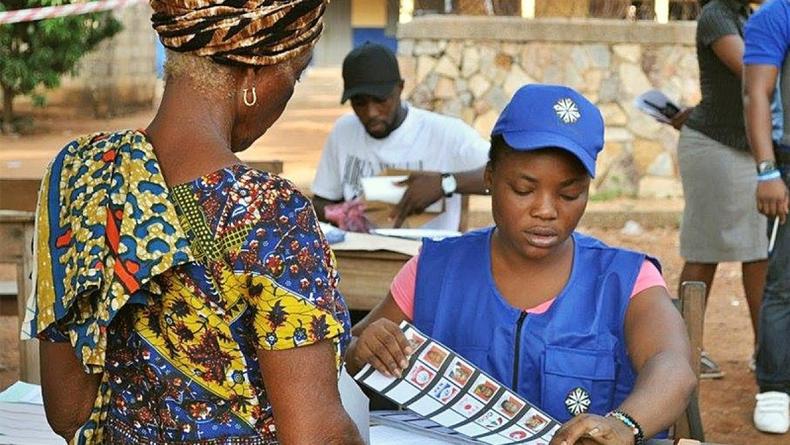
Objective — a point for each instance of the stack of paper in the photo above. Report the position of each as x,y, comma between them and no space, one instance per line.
386,189
387,435
407,425
22,418
23,422
417,234
372,243
656,104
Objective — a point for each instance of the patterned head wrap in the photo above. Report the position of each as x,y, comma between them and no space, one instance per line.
239,32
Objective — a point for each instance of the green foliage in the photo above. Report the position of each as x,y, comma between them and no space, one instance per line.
39,53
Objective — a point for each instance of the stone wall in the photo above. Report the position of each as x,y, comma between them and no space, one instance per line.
469,67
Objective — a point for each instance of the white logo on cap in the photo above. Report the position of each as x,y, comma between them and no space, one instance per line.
567,110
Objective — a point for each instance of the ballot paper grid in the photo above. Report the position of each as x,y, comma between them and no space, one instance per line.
442,386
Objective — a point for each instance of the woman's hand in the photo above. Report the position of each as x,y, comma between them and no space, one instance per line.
384,346
588,429
679,119
423,189
772,199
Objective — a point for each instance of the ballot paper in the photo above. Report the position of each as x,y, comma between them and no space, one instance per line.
386,189
658,105
449,390
356,404
22,418
372,243
388,435
22,392
400,427
417,234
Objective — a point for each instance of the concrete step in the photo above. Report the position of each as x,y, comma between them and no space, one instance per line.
7,288
8,302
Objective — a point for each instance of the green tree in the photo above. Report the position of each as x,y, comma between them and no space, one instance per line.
39,53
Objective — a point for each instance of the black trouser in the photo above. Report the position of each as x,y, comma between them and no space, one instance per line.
773,356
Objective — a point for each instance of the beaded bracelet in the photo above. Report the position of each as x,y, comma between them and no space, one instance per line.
769,175
639,436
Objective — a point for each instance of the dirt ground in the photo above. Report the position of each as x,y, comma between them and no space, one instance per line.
297,140
726,403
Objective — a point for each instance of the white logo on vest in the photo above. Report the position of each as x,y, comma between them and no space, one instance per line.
567,110
578,401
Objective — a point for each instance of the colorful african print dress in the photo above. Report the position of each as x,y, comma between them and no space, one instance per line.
170,291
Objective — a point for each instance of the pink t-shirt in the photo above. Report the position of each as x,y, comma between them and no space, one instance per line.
402,287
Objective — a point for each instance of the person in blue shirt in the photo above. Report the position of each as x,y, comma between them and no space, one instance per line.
767,41
584,331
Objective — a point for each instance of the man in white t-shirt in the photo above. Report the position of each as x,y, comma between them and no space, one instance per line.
386,132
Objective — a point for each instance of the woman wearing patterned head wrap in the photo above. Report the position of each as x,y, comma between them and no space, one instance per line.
181,296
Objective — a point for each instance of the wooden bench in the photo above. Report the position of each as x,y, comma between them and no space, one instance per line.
16,237
19,193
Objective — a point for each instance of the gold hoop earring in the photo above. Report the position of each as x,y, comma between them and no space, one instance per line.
254,97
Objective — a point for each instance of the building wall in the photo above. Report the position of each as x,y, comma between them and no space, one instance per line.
562,8
335,42
369,13
369,20
453,66
350,23
120,74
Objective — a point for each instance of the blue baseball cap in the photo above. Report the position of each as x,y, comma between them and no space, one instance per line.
543,116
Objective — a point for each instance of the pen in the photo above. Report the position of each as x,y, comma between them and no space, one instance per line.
772,240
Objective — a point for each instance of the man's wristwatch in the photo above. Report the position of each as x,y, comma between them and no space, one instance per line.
766,166
767,171
449,184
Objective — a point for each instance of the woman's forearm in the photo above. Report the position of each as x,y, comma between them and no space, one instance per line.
759,84
661,392
301,385
342,431
69,393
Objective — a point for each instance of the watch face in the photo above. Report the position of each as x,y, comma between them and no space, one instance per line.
448,184
766,166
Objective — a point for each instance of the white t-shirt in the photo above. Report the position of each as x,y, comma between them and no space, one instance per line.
425,141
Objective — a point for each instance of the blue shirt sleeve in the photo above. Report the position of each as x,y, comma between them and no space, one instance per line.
767,34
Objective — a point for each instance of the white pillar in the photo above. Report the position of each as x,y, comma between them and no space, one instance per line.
406,12
528,9
661,8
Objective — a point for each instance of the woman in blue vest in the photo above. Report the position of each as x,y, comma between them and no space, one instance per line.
585,331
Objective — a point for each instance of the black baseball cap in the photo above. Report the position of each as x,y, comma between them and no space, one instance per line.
370,69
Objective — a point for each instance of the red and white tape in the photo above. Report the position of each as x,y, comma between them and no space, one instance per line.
48,12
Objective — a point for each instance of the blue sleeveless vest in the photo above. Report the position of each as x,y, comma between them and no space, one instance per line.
579,343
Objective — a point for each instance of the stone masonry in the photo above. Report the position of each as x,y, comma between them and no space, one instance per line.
469,67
